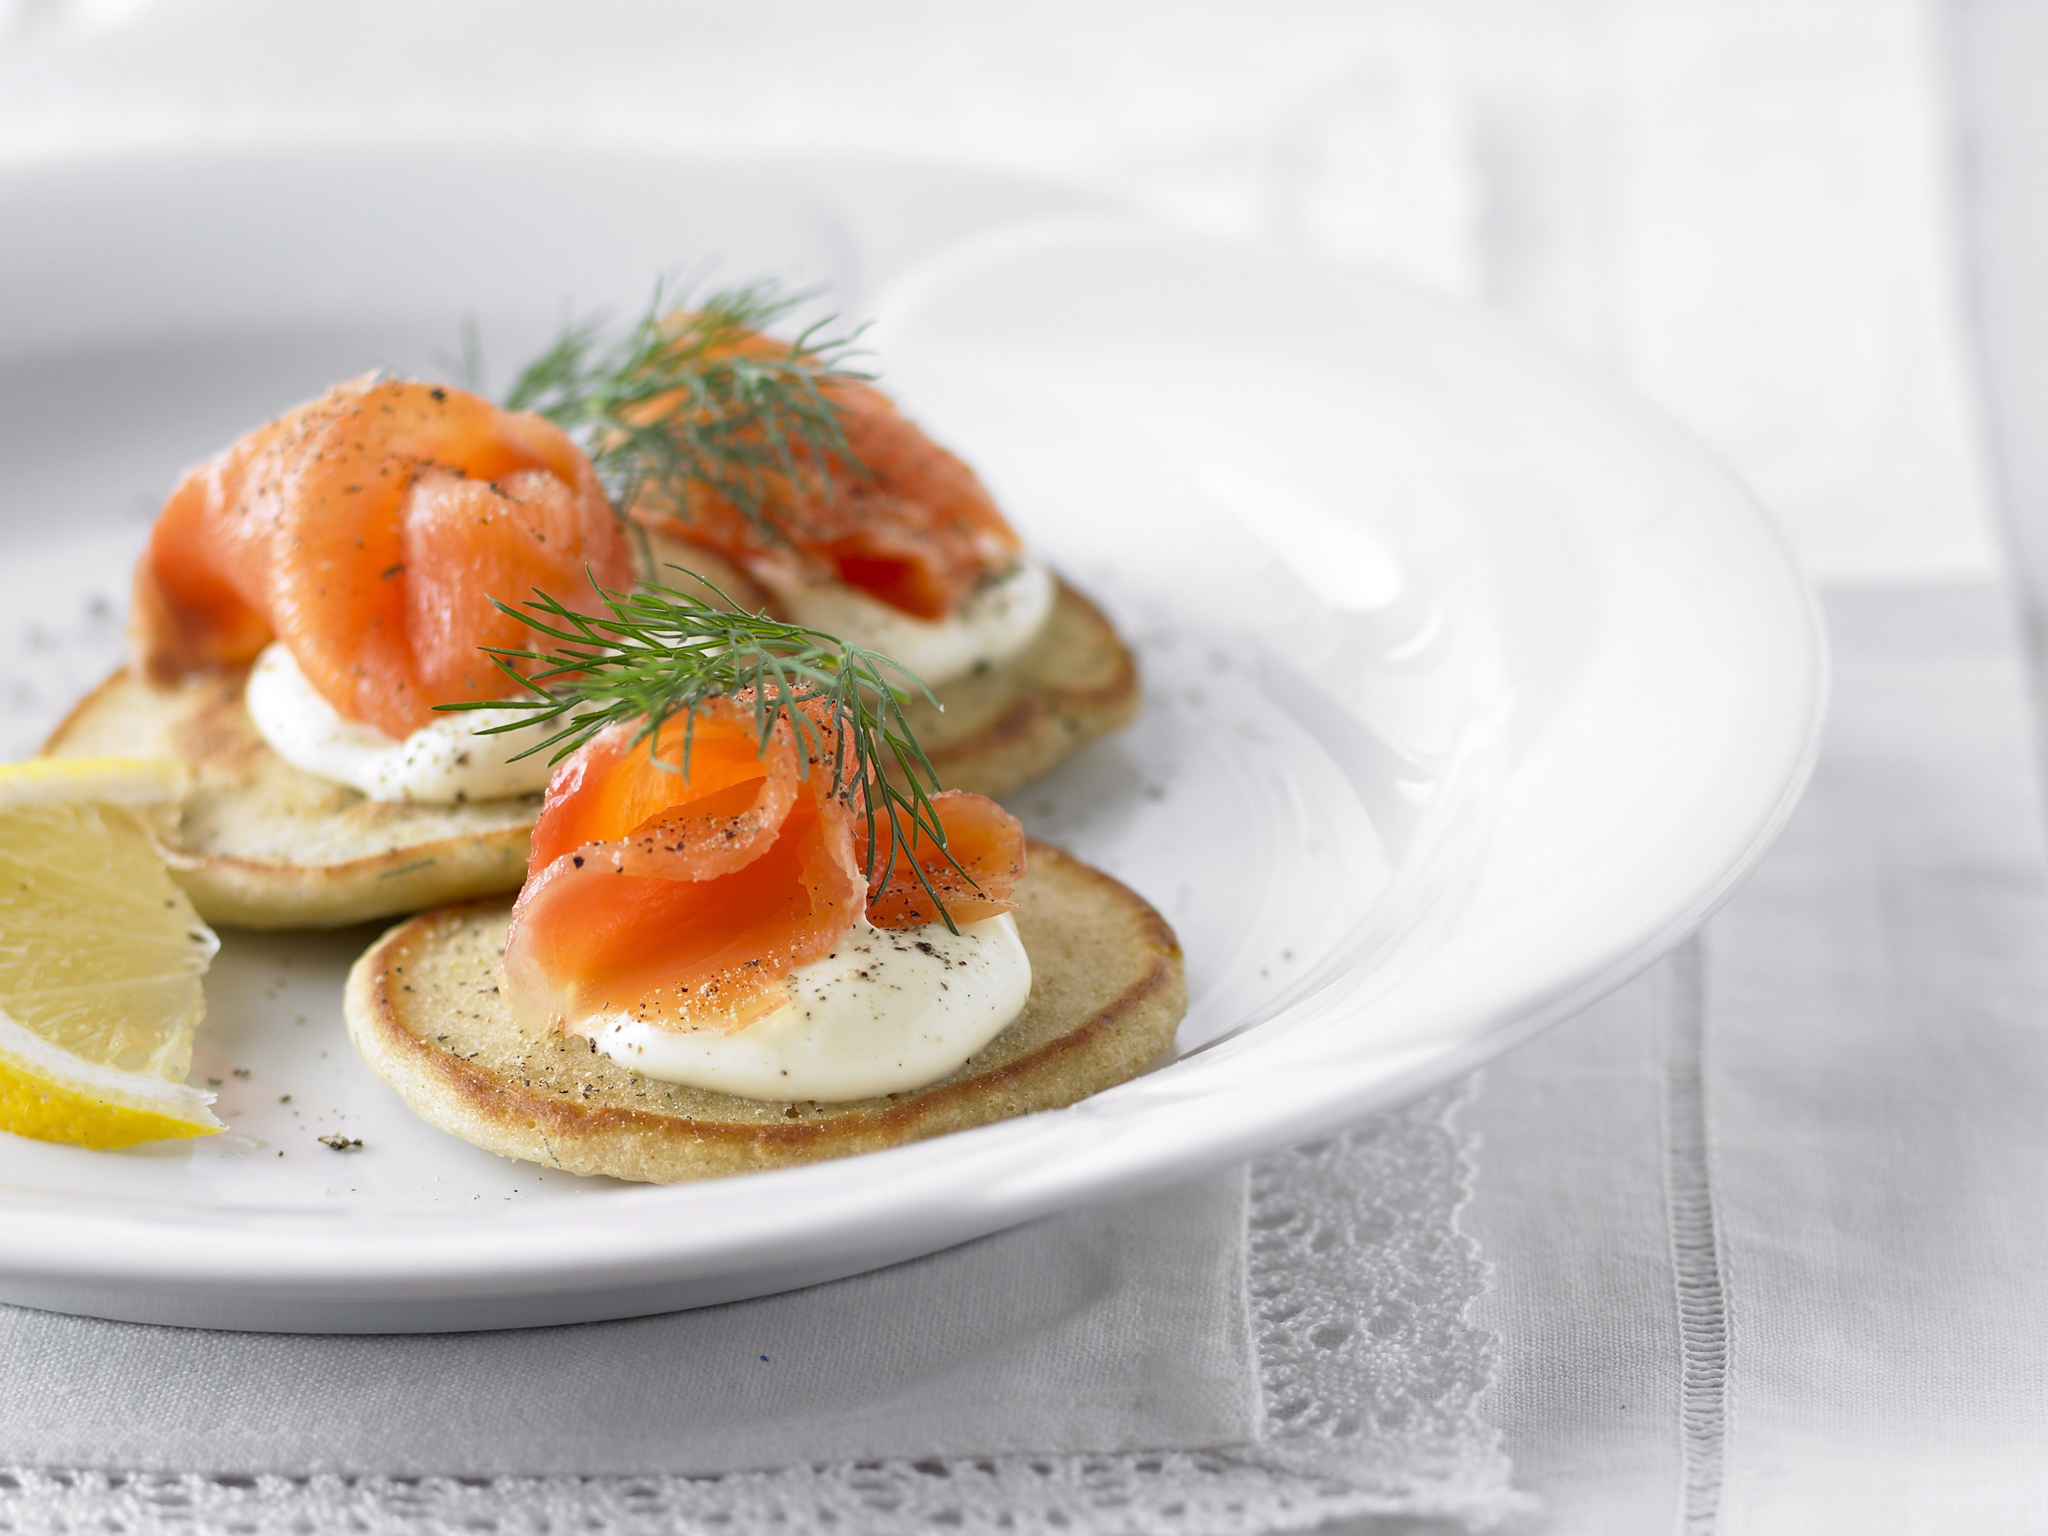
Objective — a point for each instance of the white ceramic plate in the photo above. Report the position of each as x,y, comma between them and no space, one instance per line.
1472,685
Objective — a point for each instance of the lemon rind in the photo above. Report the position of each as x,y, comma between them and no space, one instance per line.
181,1109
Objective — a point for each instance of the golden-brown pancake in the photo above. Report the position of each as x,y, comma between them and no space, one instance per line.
424,1010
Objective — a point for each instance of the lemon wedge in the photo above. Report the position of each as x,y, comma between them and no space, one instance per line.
100,958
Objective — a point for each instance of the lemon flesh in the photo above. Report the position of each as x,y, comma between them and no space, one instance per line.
101,960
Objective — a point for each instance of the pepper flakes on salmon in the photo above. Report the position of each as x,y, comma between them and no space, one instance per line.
684,899
368,530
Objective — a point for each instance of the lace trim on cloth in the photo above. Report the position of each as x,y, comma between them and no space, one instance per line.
1703,1321
1358,1280
1369,1369
1016,1495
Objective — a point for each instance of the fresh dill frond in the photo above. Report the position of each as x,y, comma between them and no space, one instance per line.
656,655
702,395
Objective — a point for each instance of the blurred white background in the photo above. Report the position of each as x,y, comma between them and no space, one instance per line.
1739,204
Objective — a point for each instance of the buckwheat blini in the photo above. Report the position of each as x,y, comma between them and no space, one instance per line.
756,935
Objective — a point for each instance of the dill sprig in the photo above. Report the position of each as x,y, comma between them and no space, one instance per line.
702,396
655,654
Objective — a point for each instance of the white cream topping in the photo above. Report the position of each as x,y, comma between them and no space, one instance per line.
887,1011
444,763
998,619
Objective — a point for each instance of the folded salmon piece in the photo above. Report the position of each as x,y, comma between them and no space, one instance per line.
898,517
369,530
683,898
974,874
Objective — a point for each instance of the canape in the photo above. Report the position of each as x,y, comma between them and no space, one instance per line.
741,944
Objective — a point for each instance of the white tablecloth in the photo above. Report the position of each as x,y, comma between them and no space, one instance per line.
1785,1278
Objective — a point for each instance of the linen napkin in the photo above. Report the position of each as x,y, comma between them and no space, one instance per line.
1767,1223
1122,1328
1786,1277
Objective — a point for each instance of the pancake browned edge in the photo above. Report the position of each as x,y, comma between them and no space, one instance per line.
1016,719
1107,991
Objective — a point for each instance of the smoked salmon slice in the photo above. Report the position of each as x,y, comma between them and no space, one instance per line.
369,530
683,899
898,517
974,874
